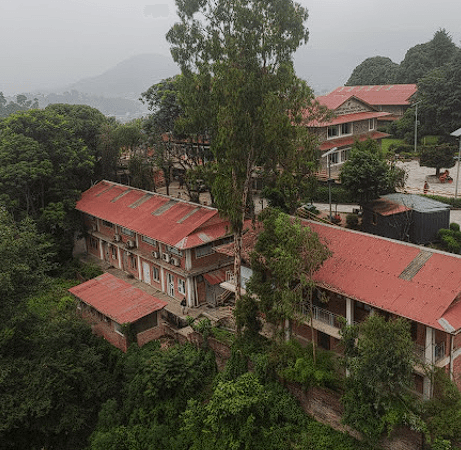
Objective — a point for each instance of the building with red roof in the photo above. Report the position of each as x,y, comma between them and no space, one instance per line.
392,98
163,241
353,119
111,303
367,274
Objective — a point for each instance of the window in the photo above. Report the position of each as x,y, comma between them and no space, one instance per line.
334,158
127,232
107,224
204,250
93,243
148,240
133,262
346,128
114,252
333,132
345,154
181,286
371,124
155,274
173,250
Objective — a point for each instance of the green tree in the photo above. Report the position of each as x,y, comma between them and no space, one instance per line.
238,83
47,166
379,357
366,175
438,157
372,71
285,258
424,58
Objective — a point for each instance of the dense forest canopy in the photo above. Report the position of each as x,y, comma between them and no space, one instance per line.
419,61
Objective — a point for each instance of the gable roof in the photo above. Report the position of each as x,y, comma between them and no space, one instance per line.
117,299
391,94
414,282
166,219
373,270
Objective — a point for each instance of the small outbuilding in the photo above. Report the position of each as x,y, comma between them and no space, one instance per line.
406,217
118,311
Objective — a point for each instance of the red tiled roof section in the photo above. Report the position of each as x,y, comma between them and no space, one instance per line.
347,141
391,94
165,219
117,299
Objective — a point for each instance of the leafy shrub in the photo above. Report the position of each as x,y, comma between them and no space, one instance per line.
454,226
451,244
352,220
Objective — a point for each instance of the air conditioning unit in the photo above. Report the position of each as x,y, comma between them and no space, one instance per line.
117,238
166,257
155,254
175,262
130,243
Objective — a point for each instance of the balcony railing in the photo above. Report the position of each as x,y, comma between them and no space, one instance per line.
439,352
324,316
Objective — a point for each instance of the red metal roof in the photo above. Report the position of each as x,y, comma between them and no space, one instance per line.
367,268
117,299
347,118
166,219
348,141
396,94
215,277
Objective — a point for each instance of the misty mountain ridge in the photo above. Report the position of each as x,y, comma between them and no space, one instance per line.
129,78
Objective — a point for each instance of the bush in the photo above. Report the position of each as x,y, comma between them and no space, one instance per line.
451,244
454,226
352,220
338,195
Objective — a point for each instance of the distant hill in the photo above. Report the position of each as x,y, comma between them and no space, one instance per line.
129,78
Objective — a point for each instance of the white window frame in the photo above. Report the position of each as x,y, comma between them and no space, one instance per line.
349,126
371,124
156,274
181,286
330,134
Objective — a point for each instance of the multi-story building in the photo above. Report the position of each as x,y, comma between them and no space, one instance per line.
367,275
353,119
163,241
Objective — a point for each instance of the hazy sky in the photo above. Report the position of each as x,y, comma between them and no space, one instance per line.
55,42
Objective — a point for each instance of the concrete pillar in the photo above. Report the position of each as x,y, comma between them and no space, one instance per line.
101,249
429,359
191,301
349,311
139,267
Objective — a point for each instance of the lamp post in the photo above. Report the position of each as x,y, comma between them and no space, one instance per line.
327,155
416,122
457,134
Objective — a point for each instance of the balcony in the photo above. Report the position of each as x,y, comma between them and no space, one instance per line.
439,352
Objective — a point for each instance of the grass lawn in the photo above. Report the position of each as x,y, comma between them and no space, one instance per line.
385,143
